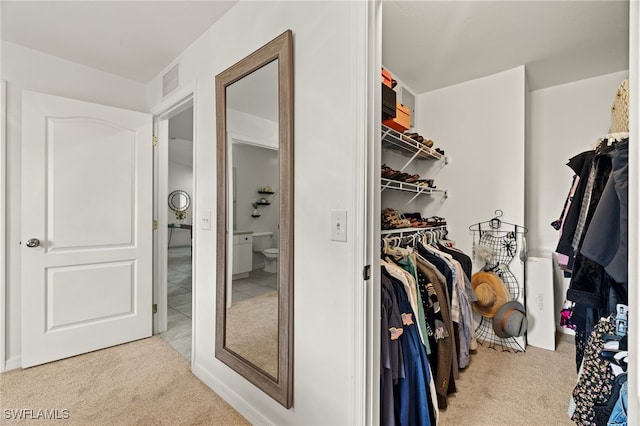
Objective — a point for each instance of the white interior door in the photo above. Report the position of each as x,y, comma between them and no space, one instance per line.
86,227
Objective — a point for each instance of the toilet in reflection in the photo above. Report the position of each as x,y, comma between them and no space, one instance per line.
263,243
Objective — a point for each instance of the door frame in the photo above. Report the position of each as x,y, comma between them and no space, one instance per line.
374,50
369,61
169,107
3,221
634,207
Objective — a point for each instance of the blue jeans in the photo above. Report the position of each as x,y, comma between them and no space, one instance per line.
619,414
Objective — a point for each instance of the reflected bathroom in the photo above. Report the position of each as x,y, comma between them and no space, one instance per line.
255,218
253,295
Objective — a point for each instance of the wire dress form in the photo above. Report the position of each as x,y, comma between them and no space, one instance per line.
497,246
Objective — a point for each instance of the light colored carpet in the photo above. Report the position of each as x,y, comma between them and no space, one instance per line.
252,331
506,388
139,383
147,383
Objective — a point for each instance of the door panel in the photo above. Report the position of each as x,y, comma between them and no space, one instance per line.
84,294
87,199
86,154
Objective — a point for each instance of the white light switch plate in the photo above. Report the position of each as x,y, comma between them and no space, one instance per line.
205,220
338,225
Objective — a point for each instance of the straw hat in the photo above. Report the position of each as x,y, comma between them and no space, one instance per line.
620,109
492,293
510,320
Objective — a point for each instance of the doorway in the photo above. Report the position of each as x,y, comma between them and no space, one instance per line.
175,201
180,233
432,120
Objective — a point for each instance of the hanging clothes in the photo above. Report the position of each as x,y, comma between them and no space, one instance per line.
391,359
412,403
593,290
435,290
443,357
606,240
595,382
581,166
461,308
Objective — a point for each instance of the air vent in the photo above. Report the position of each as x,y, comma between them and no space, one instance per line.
170,81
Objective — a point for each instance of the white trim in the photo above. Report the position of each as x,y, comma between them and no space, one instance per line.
250,140
366,81
634,209
175,103
240,404
359,82
14,363
373,161
196,221
3,221
160,249
169,107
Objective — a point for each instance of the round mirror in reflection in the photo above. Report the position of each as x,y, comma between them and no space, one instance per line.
179,200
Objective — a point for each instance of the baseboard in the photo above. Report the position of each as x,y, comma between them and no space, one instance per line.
13,363
240,404
564,330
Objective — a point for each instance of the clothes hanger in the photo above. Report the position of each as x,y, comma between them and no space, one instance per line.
414,238
614,137
496,223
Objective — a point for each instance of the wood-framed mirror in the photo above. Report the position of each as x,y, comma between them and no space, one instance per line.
254,284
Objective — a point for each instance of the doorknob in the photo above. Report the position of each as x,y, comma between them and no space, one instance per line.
33,242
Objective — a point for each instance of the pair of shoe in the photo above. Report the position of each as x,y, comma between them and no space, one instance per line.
426,183
437,221
391,220
441,151
416,219
416,137
389,173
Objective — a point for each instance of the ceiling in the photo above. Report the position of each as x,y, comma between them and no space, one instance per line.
434,44
132,39
428,44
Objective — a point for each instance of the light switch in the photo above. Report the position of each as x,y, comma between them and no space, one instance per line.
205,220
338,225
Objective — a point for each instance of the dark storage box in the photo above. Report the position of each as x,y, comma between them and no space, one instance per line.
388,102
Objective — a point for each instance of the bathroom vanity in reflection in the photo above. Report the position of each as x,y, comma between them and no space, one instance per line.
242,254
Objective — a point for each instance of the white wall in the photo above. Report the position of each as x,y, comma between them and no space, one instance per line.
241,123
325,162
480,125
22,69
565,120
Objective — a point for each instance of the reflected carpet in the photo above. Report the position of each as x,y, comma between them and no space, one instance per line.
252,331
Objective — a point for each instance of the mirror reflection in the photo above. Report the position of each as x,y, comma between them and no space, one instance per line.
252,298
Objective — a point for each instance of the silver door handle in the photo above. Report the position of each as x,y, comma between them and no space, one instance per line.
33,242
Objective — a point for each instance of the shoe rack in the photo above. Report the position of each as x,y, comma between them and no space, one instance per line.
392,139
412,150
